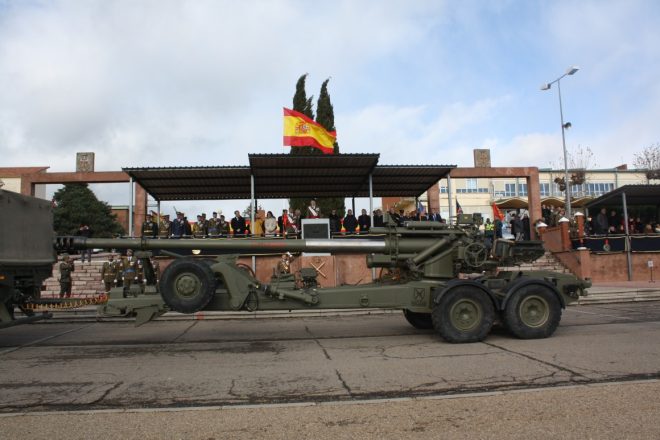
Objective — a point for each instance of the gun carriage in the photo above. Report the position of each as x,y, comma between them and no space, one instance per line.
442,277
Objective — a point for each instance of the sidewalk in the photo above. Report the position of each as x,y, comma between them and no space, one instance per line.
621,291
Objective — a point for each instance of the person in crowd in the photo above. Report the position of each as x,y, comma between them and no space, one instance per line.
238,224
393,215
129,270
178,227
187,228
435,216
614,222
350,222
85,231
602,223
66,283
364,221
335,222
403,218
291,224
546,213
150,227
517,227
282,220
313,211
223,226
297,218
270,224
213,225
525,226
109,273
258,228
165,227
498,228
489,233
378,218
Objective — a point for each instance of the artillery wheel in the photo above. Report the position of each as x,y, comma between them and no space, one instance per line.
418,320
187,286
464,314
532,312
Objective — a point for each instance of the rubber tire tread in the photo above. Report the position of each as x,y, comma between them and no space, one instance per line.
187,305
422,321
442,321
515,325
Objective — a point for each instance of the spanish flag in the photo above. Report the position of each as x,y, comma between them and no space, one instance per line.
497,214
301,131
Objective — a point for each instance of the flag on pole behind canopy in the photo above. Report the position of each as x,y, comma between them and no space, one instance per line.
459,210
301,131
497,214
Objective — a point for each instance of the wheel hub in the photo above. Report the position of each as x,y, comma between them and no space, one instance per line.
465,315
187,285
534,311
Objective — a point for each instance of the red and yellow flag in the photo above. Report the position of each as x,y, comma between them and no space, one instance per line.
301,131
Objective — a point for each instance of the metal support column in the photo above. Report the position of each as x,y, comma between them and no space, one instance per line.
353,204
253,207
451,209
130,208
627,243
371,216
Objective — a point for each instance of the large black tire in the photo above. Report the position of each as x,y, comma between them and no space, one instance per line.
422,321
464,314
532,312
187,286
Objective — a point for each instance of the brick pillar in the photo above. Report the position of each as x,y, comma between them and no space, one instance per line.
533,198
584,257
433,194
565,237
579,218
140,213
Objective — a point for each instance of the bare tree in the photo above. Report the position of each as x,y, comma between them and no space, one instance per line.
580,159
649,161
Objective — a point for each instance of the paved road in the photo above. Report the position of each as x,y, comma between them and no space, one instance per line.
192,363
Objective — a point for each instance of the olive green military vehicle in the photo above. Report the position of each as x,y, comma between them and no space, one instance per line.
442,277
26,254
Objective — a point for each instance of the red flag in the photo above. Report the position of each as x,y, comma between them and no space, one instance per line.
497,213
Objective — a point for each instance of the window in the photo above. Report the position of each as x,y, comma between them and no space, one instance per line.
522,190
443,190
509,189
471,185
545,189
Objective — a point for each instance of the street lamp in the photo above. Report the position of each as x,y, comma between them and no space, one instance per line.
570,71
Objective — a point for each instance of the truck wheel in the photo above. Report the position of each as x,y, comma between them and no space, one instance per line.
464,314
532,312
187,286
418,320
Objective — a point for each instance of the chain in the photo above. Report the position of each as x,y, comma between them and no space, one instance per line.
66,303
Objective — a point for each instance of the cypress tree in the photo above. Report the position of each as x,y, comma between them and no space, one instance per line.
303,105
77,204
325,115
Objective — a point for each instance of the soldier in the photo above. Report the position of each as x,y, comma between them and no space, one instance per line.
109,273
178,226
156,267
213,225
223,227
284,265
150,228
129,270
66,268
165,227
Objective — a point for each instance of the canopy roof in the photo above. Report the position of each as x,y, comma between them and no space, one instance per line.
636,195
279,176
553,201
512,203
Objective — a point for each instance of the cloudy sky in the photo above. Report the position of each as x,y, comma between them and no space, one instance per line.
174,83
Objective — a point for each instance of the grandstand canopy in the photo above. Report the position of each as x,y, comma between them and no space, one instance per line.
281,176
636,195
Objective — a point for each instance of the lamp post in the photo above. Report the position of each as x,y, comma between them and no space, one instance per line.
570,71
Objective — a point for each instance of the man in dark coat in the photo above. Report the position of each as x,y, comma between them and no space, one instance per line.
601,225
238,224
365,222
335,222
350,222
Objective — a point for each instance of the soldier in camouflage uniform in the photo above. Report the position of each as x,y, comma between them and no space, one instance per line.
213,225
66,268
109,273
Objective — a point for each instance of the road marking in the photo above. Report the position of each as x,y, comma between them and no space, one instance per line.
330,402
12,349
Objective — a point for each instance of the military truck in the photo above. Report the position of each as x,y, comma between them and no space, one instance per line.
26,254
442,276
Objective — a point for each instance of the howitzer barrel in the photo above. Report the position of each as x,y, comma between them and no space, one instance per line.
257,245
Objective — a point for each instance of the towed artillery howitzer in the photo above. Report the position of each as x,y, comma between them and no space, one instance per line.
424,265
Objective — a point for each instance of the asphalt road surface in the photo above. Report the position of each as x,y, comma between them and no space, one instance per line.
313,363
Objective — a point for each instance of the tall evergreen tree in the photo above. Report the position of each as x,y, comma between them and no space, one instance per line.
325,115
76,204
